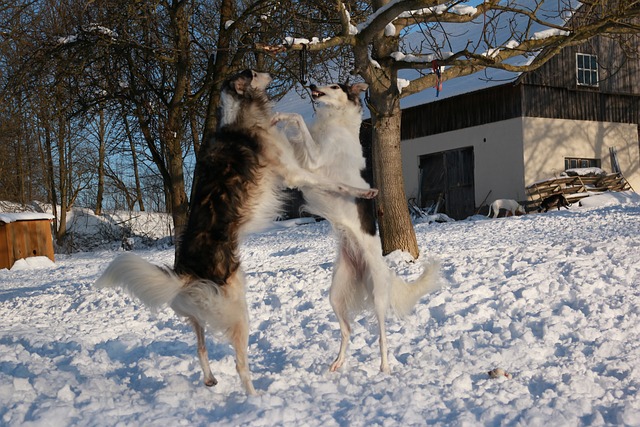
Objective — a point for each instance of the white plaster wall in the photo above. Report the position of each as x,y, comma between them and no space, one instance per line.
498,157
548,141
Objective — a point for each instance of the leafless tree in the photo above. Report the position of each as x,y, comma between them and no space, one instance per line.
160,64
385,38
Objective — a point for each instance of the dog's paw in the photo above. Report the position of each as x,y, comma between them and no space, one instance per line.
499,372
369,194
337,364
286,117
211,381
360,193
277,118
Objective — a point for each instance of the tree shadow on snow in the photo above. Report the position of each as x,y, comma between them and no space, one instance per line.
135,374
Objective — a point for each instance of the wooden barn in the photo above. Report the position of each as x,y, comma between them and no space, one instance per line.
580,109
24,235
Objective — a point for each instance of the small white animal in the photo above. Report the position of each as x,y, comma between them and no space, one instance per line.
511,206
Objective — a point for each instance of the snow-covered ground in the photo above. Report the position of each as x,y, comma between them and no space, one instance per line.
551,298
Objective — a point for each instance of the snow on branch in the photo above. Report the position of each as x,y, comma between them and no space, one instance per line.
465,62
420,59
99,29
350,28
402,83
439,10
290,41
93,29
507,31
408,9
549,33
390,12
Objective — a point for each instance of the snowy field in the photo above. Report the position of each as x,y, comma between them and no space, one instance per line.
551,298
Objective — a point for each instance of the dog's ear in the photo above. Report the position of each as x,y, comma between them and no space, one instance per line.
241,81
240,85
359,87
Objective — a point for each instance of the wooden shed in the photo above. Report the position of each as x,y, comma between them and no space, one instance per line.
23,235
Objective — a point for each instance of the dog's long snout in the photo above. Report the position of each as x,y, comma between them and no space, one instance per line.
315,92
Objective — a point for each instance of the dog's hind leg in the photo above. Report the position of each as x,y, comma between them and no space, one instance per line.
380,285
203,356
238,332
381,310
343,276
239,335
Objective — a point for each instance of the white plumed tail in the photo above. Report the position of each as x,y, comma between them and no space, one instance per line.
153,285
404,296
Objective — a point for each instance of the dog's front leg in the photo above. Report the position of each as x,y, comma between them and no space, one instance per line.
293,175
359,193
302,142
302,178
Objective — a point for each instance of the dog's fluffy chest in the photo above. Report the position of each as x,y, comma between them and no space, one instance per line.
266,200
340,150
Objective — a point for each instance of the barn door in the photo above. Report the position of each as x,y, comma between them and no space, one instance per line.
447,180
432,182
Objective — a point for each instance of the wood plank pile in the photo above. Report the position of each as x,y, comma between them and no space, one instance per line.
574,188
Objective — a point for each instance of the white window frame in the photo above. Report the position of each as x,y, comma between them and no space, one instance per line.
587,74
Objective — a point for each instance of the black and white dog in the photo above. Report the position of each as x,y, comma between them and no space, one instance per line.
361,277
237,192
555,200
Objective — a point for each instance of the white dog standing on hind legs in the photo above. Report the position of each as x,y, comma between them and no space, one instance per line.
361,277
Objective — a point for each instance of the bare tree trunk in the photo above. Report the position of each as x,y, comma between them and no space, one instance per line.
21,172
394,221
396,229
134,158
220,70
63,181
30,168
136,174
193,124
31,165
174,128
178,196
101,156
48,154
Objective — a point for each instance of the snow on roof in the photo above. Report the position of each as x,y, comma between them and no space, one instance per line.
32,263
23,216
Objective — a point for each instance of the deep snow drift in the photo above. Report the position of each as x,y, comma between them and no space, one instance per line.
551,298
